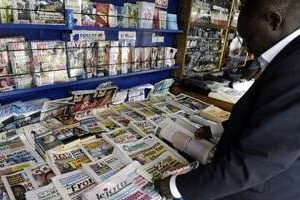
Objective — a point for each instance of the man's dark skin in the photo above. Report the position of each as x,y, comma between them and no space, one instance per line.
262,24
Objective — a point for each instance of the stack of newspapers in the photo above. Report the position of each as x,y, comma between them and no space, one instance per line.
88,146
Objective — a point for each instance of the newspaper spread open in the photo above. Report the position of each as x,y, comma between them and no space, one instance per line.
71,185
106,167
48,192
125,185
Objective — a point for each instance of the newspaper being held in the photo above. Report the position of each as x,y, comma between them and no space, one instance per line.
71,185
48,192
127,184
166,162
97,148
19,156
147,149
67,160
106,167
122,136
18,184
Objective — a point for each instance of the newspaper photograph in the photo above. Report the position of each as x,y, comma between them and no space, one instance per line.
48,192
125,185
73,184
41,174
67,160
97,148
106,167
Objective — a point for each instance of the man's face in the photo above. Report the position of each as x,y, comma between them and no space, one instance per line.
256,31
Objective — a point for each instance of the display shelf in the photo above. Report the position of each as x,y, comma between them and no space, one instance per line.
67,86
211,26
125,29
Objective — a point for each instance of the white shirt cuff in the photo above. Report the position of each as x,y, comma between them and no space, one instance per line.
173,188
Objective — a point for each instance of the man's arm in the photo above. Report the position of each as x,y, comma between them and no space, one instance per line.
269,145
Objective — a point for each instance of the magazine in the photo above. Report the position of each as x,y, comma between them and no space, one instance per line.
49,62
18,184
138,60
102,11
127,48
88,13
160,57
103,58
163,19
154,54
147,149
162,3
112,16
187,103
170,54
73,184
63,161
127,184
75,5
108,166
97,148
114,59
22,11
48,192
145,14
122,136
76,55
130,19
215,114
146,58
48,12
91,59
6,80
164,163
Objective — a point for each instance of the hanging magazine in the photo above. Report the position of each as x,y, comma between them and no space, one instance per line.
22,11
88,13
48,12
91,59
76,56
75,5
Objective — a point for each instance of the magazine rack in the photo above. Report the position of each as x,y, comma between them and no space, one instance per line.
49,32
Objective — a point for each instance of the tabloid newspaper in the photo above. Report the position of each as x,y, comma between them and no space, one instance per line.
108,166
73,184
97,148
126,185
67,160
122,136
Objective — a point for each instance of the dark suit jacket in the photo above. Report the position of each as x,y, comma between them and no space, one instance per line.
258,157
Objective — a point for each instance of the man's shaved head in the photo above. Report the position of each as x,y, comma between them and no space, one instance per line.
263,23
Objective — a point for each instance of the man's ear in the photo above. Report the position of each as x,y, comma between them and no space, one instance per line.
274,19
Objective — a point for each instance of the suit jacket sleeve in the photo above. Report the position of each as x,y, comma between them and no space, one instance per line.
268,145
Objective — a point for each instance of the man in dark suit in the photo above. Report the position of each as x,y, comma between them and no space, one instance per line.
258,157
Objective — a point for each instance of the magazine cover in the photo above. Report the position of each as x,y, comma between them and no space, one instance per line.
67,160
3,12
88,13
97,148
108,166
138,60
49,62
145,14
22,11
162,3
75,5
55,16
103,58
120,15
163,19
146,58
48,192
160,57
114,59
127,48
18,184
76,55
126,184
154,54
188,103
130,19
90,59
156,19
170,54
102,11
73,184
113,16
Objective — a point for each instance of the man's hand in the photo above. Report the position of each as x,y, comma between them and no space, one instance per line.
163,187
